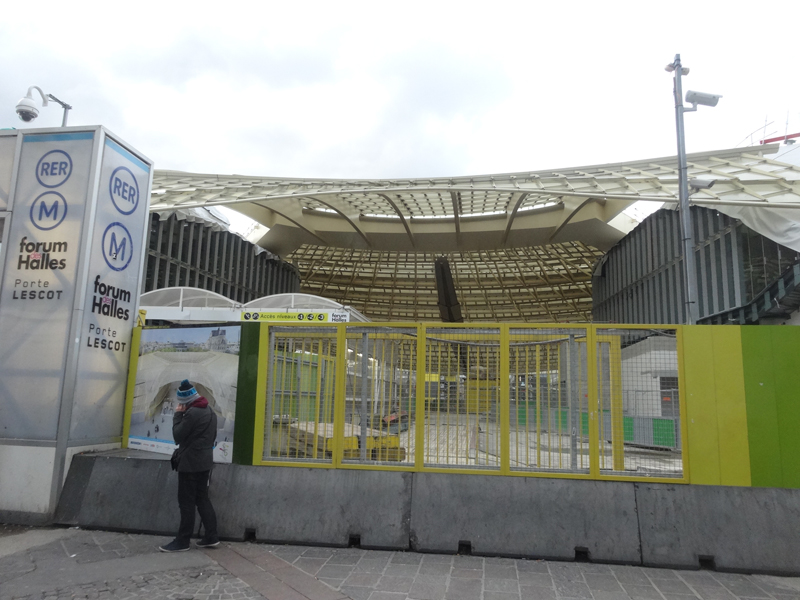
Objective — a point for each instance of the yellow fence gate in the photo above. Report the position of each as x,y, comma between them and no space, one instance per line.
582,401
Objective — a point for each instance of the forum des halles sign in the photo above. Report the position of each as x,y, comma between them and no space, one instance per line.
75,205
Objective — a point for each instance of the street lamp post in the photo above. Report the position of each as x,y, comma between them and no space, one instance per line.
687,231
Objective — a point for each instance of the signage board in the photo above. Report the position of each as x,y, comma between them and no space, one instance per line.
8,146
309,316
73,209
42,253
111,295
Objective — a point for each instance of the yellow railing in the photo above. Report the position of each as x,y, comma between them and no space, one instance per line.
582,401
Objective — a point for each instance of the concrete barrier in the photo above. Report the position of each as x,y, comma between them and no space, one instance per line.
314,506
128,494
278,504
534,517
731,528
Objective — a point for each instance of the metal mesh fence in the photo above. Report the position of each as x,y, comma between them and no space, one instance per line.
639,405
462,381
300,407
502,398
549,400
379,395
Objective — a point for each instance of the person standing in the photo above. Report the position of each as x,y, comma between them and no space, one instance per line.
194,427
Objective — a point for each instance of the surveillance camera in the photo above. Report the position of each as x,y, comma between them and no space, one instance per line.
701,184
702,98
26,109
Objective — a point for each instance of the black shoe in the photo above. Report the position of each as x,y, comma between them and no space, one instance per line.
207,543
174,546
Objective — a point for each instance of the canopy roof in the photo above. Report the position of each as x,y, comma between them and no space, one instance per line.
190,305
189,297
520,245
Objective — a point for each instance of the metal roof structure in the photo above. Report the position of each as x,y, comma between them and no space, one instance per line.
521,245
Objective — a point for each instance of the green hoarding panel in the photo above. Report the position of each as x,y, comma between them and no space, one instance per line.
664,432
786,360
244,426
762,407
627,429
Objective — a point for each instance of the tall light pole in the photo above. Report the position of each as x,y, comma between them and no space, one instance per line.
687,231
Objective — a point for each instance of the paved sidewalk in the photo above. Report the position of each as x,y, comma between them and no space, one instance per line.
51,564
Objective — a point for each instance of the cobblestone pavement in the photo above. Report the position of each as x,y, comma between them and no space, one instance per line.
53,571
185,584
104,565
373,575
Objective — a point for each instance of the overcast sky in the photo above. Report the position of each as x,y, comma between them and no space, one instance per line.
403,89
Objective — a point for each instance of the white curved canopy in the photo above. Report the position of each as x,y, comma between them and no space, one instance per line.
185,297
301,301
521,245
473,213
195,305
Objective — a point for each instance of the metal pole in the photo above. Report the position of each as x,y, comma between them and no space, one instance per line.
687,231
572,396
364,395
64,105
269,425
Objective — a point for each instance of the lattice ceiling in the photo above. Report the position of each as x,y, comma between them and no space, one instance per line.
541,284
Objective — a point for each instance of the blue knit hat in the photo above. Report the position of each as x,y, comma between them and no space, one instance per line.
186,392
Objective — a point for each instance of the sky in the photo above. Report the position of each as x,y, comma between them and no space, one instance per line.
400,90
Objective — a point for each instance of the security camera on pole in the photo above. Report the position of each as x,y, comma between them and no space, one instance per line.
694,98
28,111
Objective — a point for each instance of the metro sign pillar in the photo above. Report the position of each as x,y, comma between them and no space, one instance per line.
74,204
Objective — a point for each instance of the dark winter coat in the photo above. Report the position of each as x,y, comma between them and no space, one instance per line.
195,431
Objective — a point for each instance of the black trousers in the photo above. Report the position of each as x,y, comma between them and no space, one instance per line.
193,492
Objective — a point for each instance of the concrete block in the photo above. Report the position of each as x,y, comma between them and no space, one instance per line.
743,529
314,506
282,504
74,490
120,493
516,516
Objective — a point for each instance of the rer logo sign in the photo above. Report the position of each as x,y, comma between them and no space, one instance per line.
117,246
124,190
54,168
48,211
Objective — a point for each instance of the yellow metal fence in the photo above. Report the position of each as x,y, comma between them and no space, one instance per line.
565,401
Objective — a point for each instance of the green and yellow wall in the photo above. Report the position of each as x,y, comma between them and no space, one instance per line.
742,401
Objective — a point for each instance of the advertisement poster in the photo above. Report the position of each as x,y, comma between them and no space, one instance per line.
206,356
